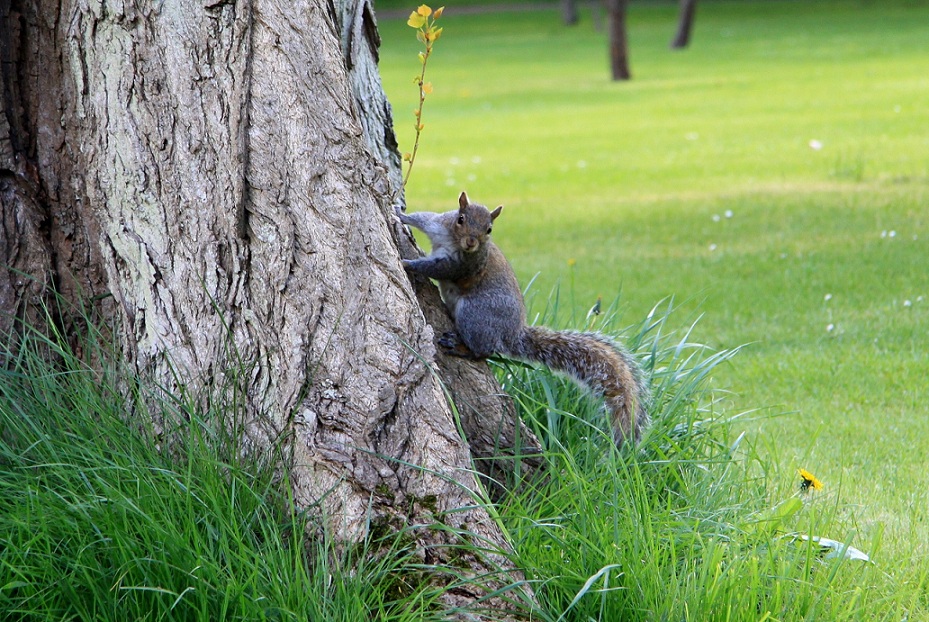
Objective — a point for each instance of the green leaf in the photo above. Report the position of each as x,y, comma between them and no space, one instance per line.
768,521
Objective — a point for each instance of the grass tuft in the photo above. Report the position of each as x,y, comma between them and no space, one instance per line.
98,521
687,525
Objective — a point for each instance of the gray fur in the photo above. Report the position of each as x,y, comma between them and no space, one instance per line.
436,226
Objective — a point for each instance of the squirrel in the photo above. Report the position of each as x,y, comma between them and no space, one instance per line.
482,295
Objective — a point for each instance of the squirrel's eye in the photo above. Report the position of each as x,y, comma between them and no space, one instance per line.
461,220
489,229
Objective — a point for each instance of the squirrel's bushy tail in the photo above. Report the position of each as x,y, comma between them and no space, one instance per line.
599,364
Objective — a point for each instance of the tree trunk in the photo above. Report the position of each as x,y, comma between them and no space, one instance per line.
685,22
217,175
619,46
569,12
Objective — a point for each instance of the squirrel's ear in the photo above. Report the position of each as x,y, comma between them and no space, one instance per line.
496,212
463,200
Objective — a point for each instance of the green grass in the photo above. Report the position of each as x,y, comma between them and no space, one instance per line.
688,526
104,521
100,520
626,187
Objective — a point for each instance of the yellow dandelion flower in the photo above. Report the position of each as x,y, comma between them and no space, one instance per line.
808,480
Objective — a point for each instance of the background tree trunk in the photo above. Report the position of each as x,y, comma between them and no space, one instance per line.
218,175
685,22
619,46
569,12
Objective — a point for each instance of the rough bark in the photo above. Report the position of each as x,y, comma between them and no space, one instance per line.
360,41
41,250
685,22
619,45
220,173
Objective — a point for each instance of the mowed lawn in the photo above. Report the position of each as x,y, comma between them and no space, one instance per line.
773,179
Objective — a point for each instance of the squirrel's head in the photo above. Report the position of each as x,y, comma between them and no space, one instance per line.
474,224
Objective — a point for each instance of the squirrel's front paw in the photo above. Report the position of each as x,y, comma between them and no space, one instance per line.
398,210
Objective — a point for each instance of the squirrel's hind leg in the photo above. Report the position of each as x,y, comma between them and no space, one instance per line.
452,345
